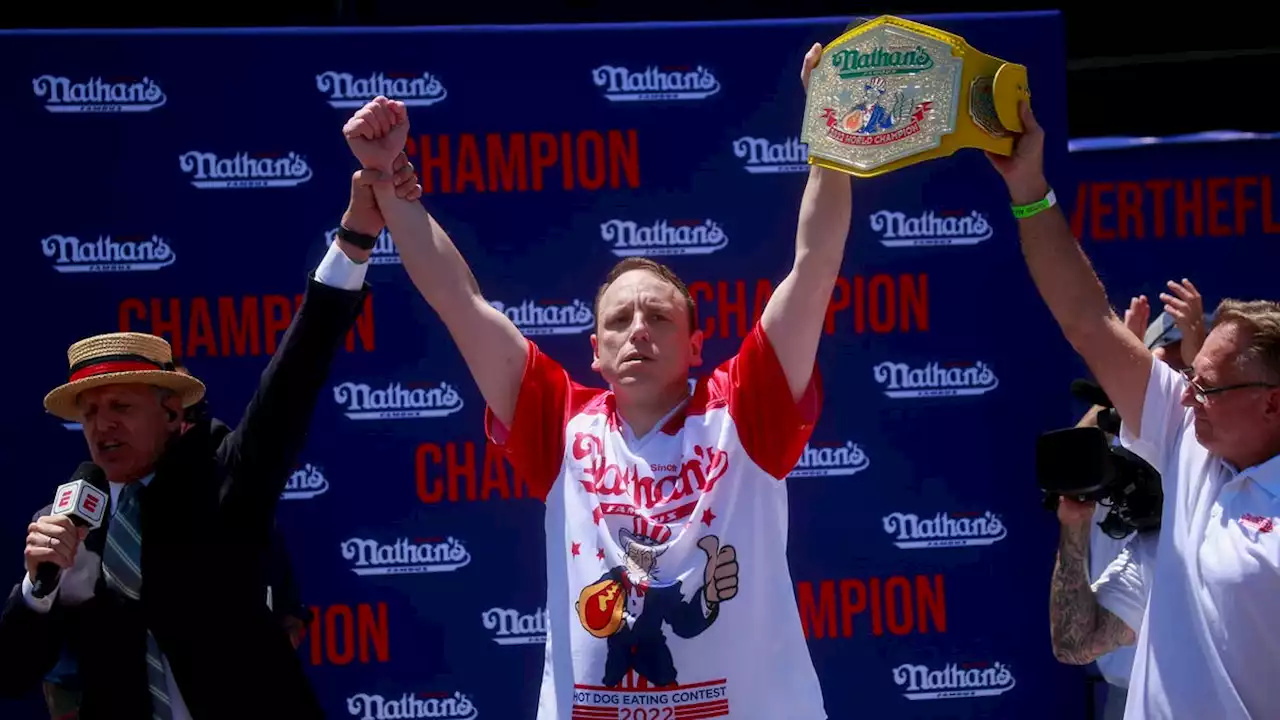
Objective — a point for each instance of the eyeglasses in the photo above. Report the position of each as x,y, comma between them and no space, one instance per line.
1202,393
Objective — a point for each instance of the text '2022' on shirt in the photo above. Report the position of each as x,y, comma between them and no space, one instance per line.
638,530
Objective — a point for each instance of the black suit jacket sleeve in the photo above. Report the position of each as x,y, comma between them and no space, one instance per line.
30,642
258,455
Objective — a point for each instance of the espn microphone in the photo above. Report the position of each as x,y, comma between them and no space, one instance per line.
86,503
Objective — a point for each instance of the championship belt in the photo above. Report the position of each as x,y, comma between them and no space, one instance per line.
892,93
600,607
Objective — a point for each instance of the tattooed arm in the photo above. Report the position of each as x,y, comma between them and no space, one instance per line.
1081,629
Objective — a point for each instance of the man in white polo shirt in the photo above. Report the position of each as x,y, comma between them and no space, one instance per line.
1210,641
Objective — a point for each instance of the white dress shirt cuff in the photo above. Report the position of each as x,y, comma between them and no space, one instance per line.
338,270
40,605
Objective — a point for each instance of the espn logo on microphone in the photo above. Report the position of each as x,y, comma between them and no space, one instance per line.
82,501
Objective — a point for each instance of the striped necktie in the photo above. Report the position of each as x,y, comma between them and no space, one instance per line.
122,567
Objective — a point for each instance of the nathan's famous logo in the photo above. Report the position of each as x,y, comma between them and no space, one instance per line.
901,380
305,483
953,680
511,627
912,532
548,318
871,122
672,489
348,91
765,156
629,238
405,556
96,95
854,63
107,254
622,84
431,705
210,172
831,460
384,248
396,401
898,229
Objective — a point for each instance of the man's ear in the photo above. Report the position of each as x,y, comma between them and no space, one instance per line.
695,349
595,353
173,411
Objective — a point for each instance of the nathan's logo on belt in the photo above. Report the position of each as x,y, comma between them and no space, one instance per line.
663,237
437,706
348,91
879,61
897,229
828,460
97,96
396,401
107,254
901,380
622,84
384,249
405,556
764,156
305,483
912,532
953,680
209,171
549,318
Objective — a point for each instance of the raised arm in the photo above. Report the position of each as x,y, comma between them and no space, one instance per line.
795,313
492,346
1080,628
262,449
1068,284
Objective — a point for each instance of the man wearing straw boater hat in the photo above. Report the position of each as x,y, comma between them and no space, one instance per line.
191,510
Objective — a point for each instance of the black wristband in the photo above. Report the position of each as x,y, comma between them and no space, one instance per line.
360,240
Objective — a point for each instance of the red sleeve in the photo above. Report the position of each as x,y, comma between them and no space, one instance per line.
535,442
773,427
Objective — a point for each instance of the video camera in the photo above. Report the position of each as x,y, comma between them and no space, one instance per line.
1082,463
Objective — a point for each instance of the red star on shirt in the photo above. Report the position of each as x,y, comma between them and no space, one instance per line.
600,553
577,547
708,516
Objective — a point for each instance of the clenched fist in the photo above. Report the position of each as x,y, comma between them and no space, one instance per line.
721,575
53,539
377,132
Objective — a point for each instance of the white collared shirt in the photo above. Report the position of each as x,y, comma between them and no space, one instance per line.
77,584
1210,640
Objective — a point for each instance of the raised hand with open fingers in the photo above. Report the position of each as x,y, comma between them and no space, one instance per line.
1137,316
377,133
1184,304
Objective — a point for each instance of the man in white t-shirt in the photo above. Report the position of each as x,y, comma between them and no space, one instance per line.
1210,644
1174,341
666,520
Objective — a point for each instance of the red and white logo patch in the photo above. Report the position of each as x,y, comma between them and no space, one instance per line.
1257,523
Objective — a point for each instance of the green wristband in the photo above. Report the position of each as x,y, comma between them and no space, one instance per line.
1035,208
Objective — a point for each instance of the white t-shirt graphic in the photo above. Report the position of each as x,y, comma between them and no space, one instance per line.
647,536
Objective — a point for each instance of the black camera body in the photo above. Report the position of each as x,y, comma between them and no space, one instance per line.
1082,463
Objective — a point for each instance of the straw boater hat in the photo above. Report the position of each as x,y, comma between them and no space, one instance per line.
117,358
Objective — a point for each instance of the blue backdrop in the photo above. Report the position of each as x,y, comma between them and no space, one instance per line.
184,182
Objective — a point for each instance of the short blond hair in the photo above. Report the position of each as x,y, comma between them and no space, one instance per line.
1260,319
